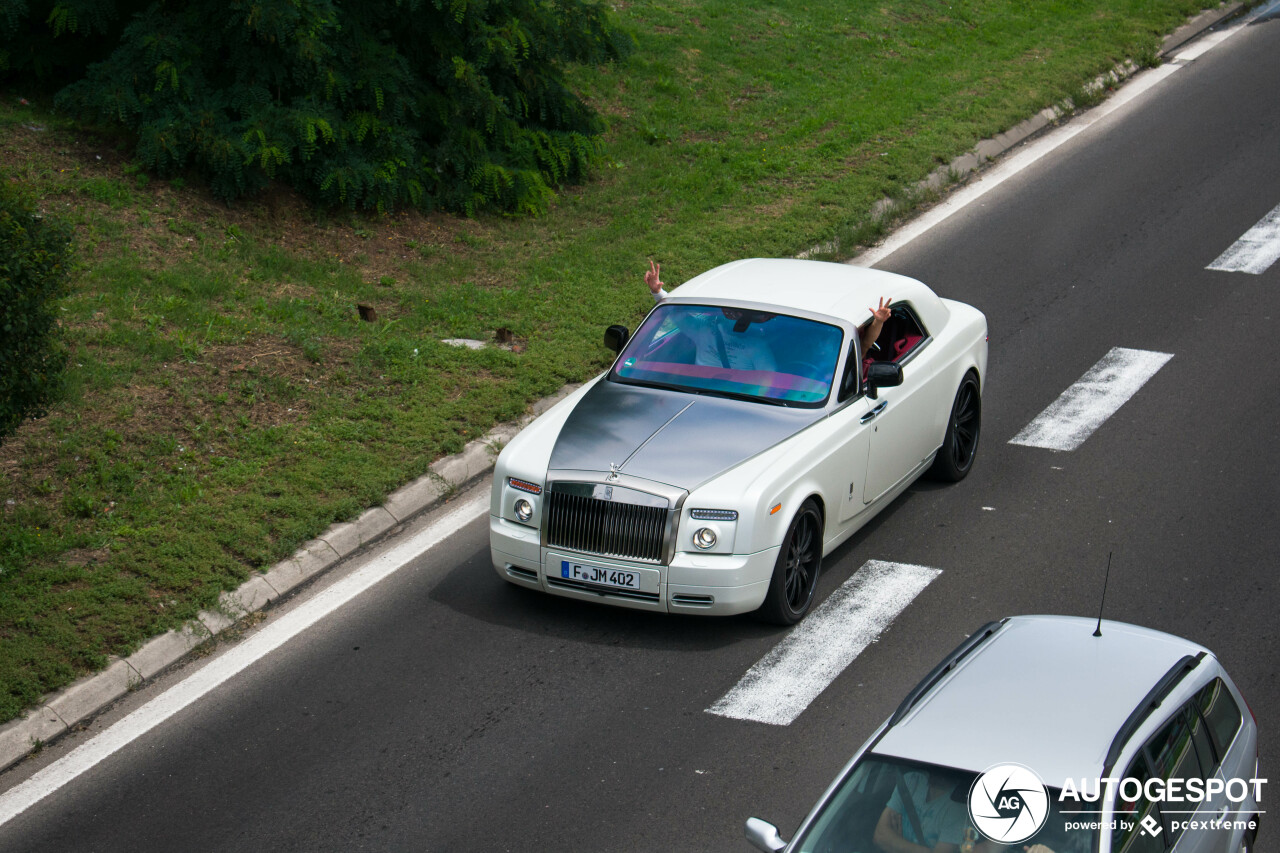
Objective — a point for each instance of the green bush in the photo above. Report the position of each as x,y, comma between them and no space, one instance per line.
55,40
33,275
460,104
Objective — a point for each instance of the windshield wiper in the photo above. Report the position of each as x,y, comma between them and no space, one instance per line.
735,395
750,398
645,383
707,392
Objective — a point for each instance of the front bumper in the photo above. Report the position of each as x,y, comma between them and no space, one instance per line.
711,584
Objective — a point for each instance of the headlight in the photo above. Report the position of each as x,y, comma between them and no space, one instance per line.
704,538
524,510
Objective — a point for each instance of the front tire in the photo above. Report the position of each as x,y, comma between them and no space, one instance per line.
795,574
964,427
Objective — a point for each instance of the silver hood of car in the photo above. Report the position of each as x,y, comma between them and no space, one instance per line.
675,438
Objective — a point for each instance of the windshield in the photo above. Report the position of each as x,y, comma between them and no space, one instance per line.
757,355
884,801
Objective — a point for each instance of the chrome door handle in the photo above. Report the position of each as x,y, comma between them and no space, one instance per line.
871,415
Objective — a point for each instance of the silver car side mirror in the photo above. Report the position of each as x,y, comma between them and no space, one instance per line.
764,835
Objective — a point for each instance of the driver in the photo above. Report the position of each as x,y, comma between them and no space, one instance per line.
719,344
932,822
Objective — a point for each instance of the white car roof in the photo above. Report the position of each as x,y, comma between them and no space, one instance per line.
819,287
1042,692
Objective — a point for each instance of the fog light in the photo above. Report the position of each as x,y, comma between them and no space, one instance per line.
524,510
704,538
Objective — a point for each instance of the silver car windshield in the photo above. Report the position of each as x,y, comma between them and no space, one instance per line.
885,800
755,355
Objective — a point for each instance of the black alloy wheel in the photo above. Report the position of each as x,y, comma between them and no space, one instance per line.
795,574
960,446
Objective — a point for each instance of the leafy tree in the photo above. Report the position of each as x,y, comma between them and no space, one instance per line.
459,104
33,275
54,41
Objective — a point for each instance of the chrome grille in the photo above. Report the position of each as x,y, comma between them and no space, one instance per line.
605,527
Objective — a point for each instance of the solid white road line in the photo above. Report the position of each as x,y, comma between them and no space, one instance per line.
1006,169
21,797
794,672
1030,153
1256,250
1096,396
1204,44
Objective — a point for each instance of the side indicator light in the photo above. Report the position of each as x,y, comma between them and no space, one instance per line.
522,485
775,509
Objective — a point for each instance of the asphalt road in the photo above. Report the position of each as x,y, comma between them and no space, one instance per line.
446,710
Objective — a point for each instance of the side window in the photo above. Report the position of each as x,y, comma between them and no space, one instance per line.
1221,714
1173,756
1179,749
851,381
1201,741
1171,752
1128,836
1185,747
901,334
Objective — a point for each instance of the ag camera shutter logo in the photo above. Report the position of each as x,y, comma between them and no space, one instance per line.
1008,803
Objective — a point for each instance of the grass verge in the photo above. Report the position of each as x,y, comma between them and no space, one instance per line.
227,402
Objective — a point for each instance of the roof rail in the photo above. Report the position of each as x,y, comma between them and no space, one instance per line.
948,663
1147,706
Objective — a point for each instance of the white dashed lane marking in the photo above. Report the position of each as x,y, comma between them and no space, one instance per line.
783,682
1096,396
1256,250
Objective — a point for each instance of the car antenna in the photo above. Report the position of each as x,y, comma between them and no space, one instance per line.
1097,632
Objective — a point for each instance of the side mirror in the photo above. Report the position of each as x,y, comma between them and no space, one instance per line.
764,835
616,337
882,374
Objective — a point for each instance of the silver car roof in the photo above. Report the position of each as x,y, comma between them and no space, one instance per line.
1042,692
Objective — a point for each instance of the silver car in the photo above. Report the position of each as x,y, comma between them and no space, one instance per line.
1051,733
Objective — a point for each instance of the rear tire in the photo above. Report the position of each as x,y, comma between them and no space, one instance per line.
964,427
795,574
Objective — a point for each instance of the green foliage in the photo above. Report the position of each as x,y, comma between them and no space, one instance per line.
55,40
33,275
380,105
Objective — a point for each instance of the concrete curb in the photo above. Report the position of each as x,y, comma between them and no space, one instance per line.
1206,20
961,169
60,712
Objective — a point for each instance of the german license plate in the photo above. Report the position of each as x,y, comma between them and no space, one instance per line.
599,575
